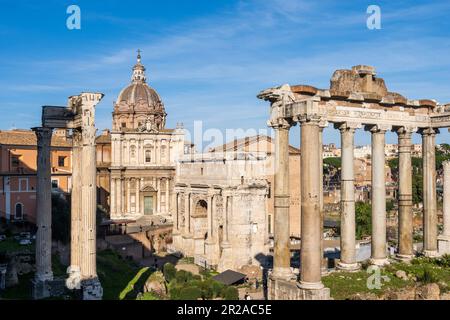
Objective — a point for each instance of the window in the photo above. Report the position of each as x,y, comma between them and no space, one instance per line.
61,161
19,211
23,184
123,124
148,156
55,184
15,161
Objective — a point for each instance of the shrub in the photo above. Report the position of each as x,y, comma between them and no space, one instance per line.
427,276
174,291
148,296
190,293
183,276
169,271
217,288
230,293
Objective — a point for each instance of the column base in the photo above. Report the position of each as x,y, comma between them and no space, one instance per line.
279,289
430,253
349,267
42,289
285,274
92,289
379,262
404,257
443,245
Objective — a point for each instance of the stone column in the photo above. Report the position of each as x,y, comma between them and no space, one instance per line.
378,256
281,249
74,271
429,193
167,195
210,217
128,195
119,194
92,289
348,225
137,197
187,213
158,200
405,215
44,272
112,197
310,277
444,238
324,264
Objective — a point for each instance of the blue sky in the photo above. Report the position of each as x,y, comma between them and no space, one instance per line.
208,59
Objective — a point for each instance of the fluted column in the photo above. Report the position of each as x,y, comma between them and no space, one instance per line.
348,225
310,276
43,206
429,192
88,204
281,250
405,214
128,193
75,245
378,255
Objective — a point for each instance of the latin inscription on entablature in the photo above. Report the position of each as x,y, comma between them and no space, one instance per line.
366,115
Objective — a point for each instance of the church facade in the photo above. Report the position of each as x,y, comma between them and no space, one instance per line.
143,153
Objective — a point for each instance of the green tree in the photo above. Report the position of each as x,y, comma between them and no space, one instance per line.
60,218
190,293
169,271
363,219
231,293
334,162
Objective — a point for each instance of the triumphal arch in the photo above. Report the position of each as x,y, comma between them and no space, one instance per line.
356,100
79,116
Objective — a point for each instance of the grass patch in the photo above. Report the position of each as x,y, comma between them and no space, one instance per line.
343,285
139,278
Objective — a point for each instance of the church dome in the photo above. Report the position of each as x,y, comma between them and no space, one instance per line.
138,103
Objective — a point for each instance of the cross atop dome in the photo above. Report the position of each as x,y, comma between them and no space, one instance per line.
138,70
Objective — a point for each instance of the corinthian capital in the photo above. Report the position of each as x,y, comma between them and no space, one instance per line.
428,131
280,123
43,135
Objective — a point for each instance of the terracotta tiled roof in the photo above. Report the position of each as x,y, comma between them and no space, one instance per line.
19,137
239,143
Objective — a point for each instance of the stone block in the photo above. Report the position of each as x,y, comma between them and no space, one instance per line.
92,289
289,290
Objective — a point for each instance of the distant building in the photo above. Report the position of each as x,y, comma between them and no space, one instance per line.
18,154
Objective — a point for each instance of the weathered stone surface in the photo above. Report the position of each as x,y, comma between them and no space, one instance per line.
428,292
401,275
156,283
360,79
403,294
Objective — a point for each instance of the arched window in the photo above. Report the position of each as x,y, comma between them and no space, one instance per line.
148,156
19,211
